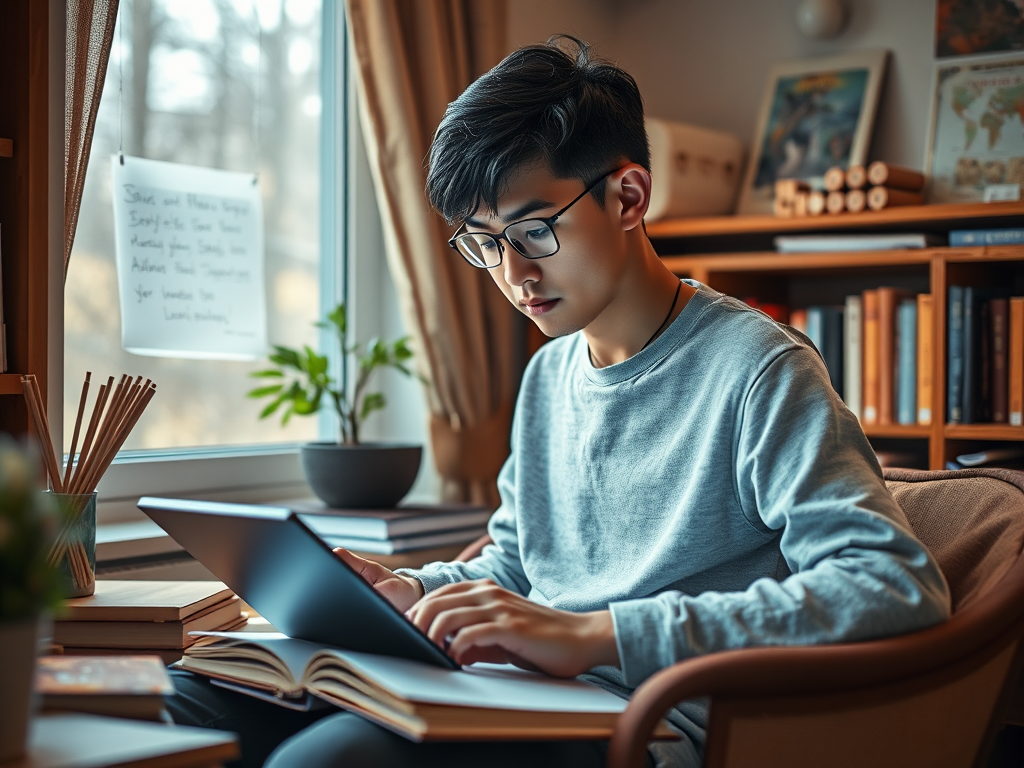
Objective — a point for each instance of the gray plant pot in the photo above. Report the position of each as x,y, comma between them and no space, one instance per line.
371,476
18,647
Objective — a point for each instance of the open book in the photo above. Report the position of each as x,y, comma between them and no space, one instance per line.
417,700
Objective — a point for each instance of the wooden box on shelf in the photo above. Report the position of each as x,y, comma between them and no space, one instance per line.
735,255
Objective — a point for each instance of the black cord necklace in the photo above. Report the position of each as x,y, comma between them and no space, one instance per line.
655,334
665,321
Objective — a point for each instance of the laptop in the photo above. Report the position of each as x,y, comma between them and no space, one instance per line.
279,566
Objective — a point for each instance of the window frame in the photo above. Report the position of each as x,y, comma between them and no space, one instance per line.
227,472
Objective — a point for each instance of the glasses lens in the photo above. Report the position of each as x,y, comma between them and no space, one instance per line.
479,249
532,238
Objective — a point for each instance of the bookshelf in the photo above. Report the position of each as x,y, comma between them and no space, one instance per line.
24,201
735,255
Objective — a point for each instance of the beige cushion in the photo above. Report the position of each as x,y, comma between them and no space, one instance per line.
972,521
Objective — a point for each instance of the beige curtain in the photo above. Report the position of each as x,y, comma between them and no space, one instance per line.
414,57
90,30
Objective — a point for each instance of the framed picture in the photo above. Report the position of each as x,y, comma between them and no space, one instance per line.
968,27
976,133
815,114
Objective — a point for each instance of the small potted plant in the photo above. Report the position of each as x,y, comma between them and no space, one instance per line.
29,588
347,473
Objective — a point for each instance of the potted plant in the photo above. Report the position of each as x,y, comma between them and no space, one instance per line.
29,588
347,473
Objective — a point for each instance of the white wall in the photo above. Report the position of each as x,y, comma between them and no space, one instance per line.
705,62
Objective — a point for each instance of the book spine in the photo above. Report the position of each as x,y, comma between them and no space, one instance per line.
969,387
925,358
816,329
887,367
869,300
1015,363
999,316
906,392
962,237
853,369
832,318
955,355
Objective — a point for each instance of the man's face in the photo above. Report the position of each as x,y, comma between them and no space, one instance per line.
565,292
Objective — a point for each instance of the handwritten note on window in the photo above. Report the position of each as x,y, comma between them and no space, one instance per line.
189,261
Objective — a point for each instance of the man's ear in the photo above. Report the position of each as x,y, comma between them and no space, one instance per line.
631,186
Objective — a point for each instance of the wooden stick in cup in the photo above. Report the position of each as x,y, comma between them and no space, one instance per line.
78,428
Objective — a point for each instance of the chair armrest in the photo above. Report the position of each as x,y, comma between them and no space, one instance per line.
473,549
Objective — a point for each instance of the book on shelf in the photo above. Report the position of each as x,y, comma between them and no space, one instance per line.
3,326
417,700
853,355
925,357
1010,458
382,524
1001,236
118,686
825,330
888,301
1015,363
149,634
871,333
400,544
906,367
841,243
954,354
999,319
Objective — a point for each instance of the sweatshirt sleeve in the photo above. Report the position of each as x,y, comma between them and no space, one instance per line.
499,561
804,472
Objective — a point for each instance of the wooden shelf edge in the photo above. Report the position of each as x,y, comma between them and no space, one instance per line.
706,226
10,384
915,431
6,147
983,432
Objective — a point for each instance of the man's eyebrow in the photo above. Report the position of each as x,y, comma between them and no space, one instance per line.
518,213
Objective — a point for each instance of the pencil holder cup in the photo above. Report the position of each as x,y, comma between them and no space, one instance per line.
74,551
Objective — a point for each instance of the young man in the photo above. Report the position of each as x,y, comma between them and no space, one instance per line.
683,478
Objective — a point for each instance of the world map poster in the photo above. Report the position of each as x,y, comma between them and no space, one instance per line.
978,129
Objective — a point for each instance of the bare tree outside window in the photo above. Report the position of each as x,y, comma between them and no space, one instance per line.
230,84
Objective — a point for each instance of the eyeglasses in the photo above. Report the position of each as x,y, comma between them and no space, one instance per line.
533,238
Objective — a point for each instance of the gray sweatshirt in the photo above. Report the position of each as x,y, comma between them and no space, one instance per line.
712,491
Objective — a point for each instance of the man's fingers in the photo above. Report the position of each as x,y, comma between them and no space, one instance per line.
477,638
424,612
370,571
450,622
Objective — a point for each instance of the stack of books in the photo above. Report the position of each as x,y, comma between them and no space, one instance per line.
117,686
427,532
146,617
984,356
878,349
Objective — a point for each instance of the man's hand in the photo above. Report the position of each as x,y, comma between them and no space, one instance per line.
401,591
480,621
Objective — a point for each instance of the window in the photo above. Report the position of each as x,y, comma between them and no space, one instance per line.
231,84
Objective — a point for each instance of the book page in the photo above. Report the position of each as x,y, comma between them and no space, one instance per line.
494,686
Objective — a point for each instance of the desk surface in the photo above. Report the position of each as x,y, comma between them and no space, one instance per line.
90,741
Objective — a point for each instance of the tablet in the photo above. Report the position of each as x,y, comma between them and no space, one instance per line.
274,562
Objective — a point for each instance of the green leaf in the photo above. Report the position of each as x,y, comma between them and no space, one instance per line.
272,373
316,365
274,405
373,401
273,389
401,349
287,357
338,319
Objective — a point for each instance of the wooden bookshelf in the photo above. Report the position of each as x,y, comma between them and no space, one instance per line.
24,200
10,384
733,254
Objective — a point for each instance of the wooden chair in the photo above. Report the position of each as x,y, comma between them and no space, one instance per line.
932,698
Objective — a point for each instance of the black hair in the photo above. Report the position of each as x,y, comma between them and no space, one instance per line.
579,114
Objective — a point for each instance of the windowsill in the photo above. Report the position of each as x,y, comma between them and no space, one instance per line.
142,538
123,541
